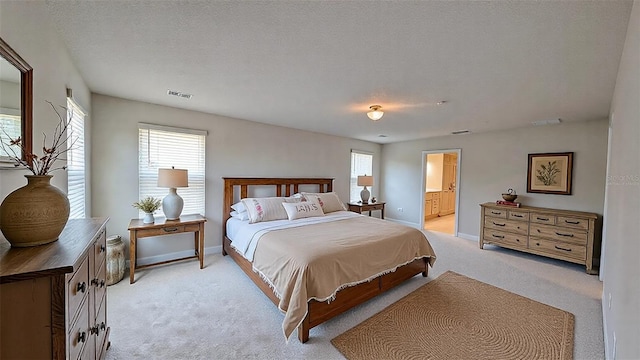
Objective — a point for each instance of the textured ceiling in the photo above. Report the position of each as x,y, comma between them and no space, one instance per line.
319,65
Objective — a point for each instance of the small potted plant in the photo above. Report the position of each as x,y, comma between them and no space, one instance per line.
148,205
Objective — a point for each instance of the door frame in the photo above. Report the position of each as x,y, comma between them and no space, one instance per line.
424,184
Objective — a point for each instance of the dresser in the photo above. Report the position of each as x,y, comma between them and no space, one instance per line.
560,234
53,298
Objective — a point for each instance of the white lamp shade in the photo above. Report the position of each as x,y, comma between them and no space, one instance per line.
173,178
365,180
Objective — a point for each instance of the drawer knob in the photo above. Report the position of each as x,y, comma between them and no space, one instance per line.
95,330
497,236
82,336
496,212
102,248
561,234
561,248
103,326
542,219
82,287
572,222
516,215
496,224
173,229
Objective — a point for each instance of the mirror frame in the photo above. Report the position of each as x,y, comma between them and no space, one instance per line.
26,95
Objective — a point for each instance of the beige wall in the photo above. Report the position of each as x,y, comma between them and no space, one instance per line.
493,162
234,147
621,246
25,26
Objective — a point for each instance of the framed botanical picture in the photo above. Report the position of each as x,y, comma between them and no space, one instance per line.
550,173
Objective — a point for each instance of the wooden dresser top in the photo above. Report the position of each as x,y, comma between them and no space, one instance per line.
541,210
58,257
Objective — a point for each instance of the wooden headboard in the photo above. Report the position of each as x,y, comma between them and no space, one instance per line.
283,187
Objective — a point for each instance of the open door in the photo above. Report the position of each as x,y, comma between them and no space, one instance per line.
440,195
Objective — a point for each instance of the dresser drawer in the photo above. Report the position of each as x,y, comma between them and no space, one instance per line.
541,218
573,222
511,226
518,215
504,238
371,207
100,328
557,233
99,283
77,289
79,332
496,213
100,250
564,249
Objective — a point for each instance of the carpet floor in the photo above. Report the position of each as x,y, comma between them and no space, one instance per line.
456,317
178,311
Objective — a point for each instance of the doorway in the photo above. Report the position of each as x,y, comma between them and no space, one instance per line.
440,169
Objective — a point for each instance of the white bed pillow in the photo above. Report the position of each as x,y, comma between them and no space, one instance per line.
240,215
239,207
330,201
266,209
304,209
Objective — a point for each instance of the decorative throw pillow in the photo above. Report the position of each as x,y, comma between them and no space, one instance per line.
330,201
303,209
266,209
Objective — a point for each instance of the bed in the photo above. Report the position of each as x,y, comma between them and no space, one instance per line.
302,309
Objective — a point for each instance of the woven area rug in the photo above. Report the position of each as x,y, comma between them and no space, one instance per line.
455,317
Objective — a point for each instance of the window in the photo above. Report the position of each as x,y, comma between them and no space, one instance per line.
164,147
361,164
9,129
76,176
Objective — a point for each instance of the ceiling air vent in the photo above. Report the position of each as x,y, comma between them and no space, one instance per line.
460,132
179,94
546,122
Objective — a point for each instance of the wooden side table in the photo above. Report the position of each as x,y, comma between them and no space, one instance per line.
186,223
359,208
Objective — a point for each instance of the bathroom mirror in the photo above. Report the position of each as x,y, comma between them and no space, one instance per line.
16,102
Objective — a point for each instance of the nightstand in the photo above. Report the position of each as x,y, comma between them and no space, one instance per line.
186,223
359,208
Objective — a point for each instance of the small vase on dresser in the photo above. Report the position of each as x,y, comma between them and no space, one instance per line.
34,214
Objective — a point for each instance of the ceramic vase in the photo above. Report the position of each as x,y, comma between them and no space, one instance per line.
115,259
148,218
34,214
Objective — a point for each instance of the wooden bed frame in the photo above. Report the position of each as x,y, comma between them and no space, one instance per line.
318,312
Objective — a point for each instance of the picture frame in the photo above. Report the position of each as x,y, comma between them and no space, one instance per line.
550,173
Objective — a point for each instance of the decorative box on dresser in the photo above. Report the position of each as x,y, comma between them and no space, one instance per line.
53,298
561,234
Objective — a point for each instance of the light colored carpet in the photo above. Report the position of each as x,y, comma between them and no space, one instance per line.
178,311
456,317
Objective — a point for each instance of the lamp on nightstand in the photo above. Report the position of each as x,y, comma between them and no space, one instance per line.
173,178
365,181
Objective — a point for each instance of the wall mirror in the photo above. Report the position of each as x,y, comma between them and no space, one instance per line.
16,103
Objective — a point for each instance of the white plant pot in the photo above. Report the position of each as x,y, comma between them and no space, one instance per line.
148,218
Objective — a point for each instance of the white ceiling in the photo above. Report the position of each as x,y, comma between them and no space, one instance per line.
318,65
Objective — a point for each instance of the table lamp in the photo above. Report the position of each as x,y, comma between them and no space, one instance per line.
365,181
173,178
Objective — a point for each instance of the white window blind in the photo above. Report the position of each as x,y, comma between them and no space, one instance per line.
164,147
361,164
9,129
76,169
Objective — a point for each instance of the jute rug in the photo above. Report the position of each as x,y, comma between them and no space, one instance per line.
455,317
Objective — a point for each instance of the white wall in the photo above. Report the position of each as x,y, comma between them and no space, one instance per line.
25,26
493,162
234,147
621,241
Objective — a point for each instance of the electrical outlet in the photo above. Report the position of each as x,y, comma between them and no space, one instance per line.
615,342
400,209
609,300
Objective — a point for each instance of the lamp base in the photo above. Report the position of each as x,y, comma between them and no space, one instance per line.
172,205
364,195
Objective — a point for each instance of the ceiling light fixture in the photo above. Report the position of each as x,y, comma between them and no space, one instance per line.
375,112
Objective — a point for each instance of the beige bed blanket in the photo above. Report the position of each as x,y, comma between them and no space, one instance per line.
315,261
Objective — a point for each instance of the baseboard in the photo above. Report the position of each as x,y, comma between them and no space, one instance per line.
175,255
468,237
413,225
604,327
